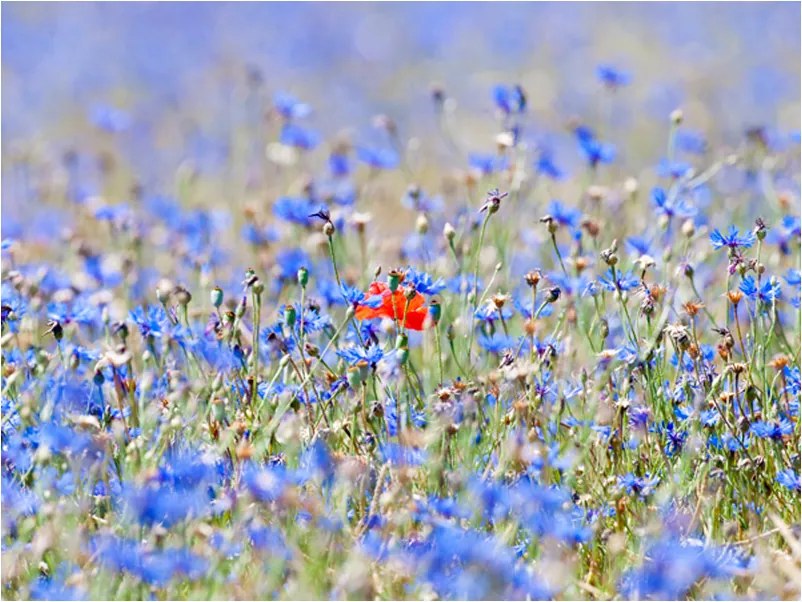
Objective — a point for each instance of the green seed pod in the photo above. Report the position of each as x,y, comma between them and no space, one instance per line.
290,315
354,376
403,355
393,280
217,296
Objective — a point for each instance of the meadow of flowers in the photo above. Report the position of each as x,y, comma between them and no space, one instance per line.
403,302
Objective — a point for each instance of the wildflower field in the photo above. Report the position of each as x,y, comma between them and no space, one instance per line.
425,301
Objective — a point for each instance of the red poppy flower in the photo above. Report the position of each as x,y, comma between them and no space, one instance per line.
416,312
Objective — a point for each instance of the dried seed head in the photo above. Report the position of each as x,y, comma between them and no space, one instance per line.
735,297
533,277
779,362
692,307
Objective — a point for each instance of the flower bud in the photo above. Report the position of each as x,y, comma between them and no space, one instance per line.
182,296
676,116
240,311
422,224
303,277
163,291
449,232
553,294
435,310
328,229
688,228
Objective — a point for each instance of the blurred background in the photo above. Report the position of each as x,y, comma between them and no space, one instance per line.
132,100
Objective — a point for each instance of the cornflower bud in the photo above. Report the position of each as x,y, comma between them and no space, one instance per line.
182,296
553,294
676,116
163,291
422,224
328,229
449,232
760,229
435,310
55,328
303,277
240,311
551,223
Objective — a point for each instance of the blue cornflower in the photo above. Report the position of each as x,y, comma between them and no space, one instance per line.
257,235
378,158
372,355
497,344
490,313
401,455
299,137
595,151
641,486
353,296
509,100
620,280
563,215
612,77
545,166
673,169
296,210
392,418
487,163
290,107
768,292
639,416
709,418
793,277
638,245
289,261
339,164
423,282
151,321
772,430
671,568
732,239
789,479
670,207
788,232
109,119
675,439
690,142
